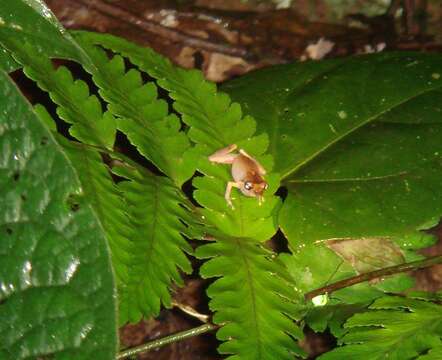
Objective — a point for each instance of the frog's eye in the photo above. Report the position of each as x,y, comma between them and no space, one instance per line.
248,185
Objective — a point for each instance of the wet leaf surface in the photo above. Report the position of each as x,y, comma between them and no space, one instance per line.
56,286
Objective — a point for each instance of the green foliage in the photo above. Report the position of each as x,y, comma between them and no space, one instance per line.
143,117
328,119
75,104
393,328
32,22
259,314
359,155
106,199
154,207
7,63
56,285
213,123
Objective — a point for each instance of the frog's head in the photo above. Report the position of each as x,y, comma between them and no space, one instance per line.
254,189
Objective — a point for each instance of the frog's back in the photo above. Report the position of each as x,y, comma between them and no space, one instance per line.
245,169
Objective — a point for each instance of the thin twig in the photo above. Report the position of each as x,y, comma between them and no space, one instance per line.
167,340
171,34
191,311
374,275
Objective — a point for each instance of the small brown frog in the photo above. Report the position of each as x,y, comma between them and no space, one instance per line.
247,173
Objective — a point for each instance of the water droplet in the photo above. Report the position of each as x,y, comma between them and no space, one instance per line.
332,128
342,114
16,27
71,269
26,273
320,300
85,330
435,76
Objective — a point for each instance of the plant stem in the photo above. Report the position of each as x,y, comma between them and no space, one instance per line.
166,340
374,275
191,312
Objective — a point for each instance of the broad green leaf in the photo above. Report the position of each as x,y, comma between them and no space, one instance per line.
250,299
56,286
356,140
7,63
155,208
32,22
394,328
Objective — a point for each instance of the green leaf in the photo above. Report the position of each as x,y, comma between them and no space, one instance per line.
107,201
394,328
357,142
56,286
252,298
434,354
7,63
155,207
76,105
141,115
214,122
332,316
32,22
315,265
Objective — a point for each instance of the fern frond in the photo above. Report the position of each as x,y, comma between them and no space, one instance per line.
154,205
75,104
393,328
143,117
146,246
106,199
215,122
251,299
434,354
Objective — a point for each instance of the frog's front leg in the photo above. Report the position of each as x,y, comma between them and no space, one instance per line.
229,187
224,155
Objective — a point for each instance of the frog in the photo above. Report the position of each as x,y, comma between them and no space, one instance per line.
247,172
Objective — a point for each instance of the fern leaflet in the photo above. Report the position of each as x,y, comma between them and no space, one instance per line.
393,328
154,207
141,116
75,105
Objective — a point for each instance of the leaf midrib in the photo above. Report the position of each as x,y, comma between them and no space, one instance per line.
253,296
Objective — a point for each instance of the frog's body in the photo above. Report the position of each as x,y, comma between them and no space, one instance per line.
247,173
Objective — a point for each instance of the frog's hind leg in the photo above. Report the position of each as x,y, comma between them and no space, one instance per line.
224,155
261,169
